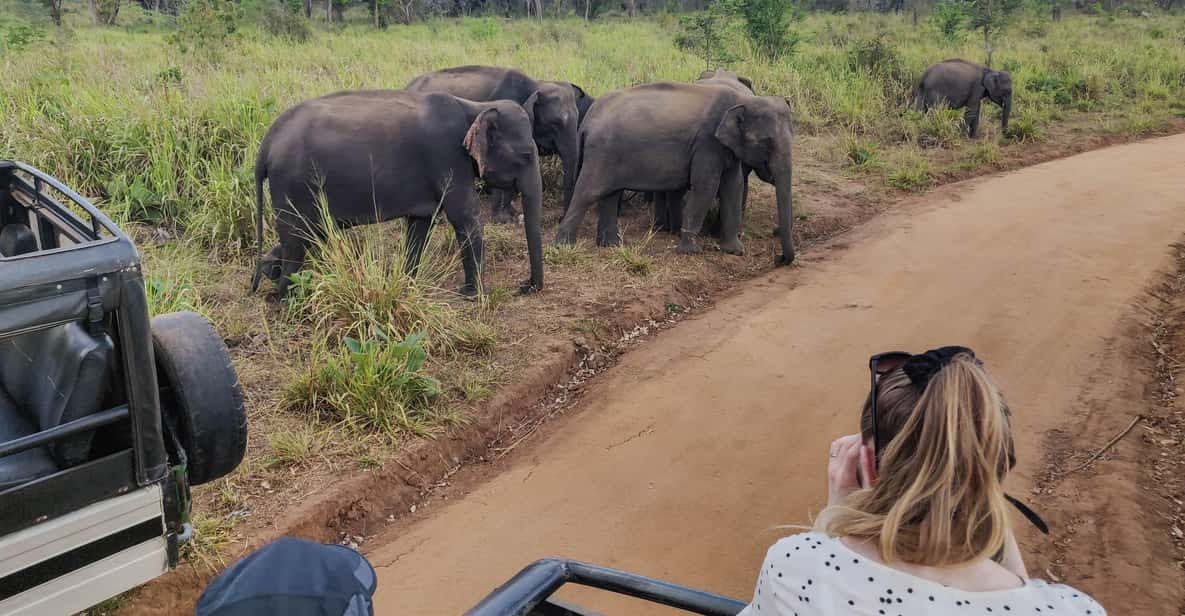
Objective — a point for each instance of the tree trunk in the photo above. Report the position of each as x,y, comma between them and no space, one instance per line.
328,11
94,12
587,5
376,13
987,46
55,12
308,9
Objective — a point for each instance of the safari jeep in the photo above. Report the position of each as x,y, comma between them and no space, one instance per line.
106,417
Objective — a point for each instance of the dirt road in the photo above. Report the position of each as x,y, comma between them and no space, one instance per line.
682,459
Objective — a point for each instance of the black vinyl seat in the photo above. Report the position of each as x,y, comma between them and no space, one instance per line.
26,465
51,377
17,239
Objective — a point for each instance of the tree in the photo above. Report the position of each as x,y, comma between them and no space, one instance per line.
767,24
710,34
55,10
990,17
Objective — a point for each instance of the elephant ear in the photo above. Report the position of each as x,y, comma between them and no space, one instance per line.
731,130
991,82
479,139
748,83
578,91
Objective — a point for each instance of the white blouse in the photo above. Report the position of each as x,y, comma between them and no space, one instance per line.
812,574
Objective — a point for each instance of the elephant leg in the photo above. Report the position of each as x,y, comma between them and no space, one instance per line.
416,237
461,208
292,255
661,218
675,210
705,183
502,211
607,232
731,194
971,117
589,190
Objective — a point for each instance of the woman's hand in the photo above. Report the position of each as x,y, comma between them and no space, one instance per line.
848,454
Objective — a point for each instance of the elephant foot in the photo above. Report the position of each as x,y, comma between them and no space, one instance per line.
732,247
468,291
504,217
783,259
609,240
564,237
688,246
529,286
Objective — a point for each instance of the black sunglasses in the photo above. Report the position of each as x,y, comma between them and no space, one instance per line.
882,364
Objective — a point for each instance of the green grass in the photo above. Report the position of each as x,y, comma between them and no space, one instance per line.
161,136
631,257
911,171
291,447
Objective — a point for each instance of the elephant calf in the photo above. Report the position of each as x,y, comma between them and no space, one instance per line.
667,137
554,107
376,155
961,84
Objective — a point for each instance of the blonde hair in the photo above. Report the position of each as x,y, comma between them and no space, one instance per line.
938,499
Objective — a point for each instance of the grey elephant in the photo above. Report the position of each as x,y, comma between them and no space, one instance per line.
668,207
961,84
666,137
377,155
554,107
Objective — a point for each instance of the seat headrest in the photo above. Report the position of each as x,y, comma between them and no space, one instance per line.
17,239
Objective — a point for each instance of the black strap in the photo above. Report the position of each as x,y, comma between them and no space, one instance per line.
94,308
1029,514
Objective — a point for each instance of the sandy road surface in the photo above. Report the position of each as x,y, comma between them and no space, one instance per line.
681,459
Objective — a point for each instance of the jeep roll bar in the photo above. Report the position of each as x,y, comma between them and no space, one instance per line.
527,592
66,430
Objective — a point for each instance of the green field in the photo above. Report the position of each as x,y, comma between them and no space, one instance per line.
162,136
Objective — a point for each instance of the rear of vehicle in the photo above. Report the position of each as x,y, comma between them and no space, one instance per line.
94,469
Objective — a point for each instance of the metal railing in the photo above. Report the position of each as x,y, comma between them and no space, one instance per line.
530,588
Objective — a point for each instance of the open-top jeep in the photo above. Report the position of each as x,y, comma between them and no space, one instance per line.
106,417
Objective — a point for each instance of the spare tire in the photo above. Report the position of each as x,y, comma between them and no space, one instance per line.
200,395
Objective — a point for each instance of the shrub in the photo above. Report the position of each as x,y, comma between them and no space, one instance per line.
768,27
19,35
949,19
1023,128
285,24
206,25
938,127
371,385
482,29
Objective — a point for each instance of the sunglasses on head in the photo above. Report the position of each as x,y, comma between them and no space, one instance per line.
920,369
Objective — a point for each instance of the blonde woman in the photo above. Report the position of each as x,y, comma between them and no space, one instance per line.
917,522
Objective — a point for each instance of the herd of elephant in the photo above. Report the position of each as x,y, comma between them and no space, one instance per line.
376,155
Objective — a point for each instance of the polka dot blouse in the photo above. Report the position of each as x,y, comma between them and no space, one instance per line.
815,575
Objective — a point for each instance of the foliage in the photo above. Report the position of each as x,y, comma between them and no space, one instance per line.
990,17
283,23
911,172
372,384
20,34
949,19
768,25
861,154
710,34
205,25
167,295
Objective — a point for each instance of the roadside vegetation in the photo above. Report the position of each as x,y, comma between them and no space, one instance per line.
158,118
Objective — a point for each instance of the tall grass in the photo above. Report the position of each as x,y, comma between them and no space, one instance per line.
169,138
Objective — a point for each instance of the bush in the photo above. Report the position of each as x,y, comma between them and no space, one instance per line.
371,385
710,34
206,25
768,27
1023,128
482,29
938,127
949,20
284,24
861,154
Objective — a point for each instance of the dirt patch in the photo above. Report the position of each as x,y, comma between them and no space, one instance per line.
1112,484
592,310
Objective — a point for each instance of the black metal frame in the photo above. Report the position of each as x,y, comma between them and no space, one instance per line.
527,593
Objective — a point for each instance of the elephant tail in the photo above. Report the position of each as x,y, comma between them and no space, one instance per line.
260,176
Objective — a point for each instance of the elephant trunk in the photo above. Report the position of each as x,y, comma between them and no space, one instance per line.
1007,107
531,187
567,144
782,180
